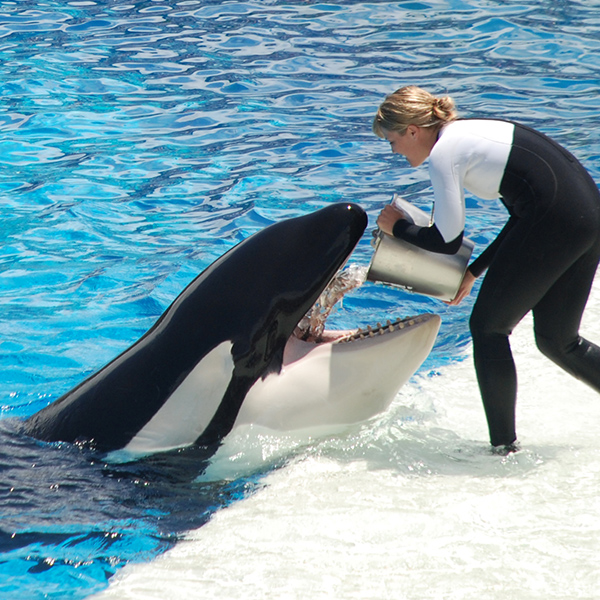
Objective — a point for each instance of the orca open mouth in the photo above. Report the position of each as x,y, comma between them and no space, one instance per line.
334,336
311,327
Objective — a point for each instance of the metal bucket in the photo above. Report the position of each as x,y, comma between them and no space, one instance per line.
400,263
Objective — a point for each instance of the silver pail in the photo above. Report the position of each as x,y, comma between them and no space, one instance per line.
400,263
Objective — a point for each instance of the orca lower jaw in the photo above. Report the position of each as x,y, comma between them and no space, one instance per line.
379,329
333,336
299,346
347,378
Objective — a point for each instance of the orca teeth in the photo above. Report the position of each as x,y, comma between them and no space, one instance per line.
379,329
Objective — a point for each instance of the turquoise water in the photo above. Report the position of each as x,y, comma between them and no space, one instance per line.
140,140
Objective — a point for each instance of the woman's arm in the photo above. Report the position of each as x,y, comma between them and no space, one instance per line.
465,288
388,217
480,264
483,261
392,221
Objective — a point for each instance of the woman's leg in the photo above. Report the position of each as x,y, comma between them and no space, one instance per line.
531,270
557,318
491,323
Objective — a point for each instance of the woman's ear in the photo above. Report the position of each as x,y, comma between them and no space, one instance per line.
412,130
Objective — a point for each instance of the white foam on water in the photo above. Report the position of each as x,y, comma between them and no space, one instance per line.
412,505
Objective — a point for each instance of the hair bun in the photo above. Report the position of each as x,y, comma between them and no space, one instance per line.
443,108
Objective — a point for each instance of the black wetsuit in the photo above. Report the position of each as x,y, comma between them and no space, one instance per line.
543,260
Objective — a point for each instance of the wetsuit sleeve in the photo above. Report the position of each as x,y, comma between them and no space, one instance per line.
428,238
483,261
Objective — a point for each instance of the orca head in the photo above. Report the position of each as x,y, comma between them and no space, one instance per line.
263,287
267,283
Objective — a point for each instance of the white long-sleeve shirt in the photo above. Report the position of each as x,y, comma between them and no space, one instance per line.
469,154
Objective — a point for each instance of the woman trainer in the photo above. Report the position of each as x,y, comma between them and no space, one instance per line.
543,260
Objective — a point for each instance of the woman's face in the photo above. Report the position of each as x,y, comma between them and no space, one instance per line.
415,144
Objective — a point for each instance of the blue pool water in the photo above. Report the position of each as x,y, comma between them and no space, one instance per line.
139,140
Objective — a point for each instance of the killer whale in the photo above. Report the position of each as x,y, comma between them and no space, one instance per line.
223,341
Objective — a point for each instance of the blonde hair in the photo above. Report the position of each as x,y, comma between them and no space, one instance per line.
412,105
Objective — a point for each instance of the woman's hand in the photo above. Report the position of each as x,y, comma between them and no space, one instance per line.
464,290
387,218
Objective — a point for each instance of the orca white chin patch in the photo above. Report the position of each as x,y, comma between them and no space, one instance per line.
334,384
187,412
